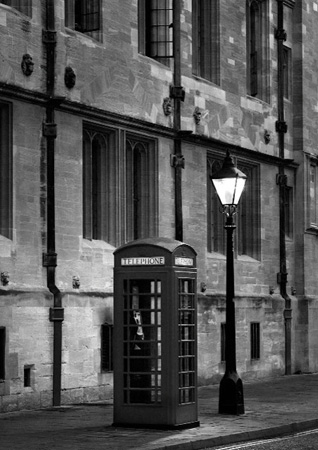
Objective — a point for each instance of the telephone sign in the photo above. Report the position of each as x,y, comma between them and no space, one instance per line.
149,261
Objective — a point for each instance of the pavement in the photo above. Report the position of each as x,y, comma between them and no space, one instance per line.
273,407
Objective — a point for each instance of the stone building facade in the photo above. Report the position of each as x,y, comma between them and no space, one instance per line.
113,116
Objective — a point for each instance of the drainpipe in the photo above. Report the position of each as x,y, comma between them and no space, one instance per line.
177,93
281,128
50,258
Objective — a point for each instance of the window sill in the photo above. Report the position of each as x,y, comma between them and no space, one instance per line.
247,258
313,229
162,65
83,36
206,80
215,255
257,100
28,389
97,244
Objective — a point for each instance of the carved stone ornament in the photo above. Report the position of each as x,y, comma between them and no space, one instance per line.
267,137
76,282
5,277
27,65
197,115
69,77
167,106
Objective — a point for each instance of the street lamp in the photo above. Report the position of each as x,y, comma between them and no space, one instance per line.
229,183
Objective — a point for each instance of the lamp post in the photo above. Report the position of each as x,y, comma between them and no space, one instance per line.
229,183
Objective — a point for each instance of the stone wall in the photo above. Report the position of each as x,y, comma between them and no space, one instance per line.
117,86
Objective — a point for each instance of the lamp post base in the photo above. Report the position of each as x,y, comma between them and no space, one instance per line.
231,398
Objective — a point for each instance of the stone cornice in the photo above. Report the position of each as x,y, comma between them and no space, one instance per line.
18,93
120,120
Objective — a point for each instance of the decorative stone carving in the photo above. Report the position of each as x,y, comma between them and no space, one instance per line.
27,65
197,115
267,137
69,77
76,282
5,277
167,106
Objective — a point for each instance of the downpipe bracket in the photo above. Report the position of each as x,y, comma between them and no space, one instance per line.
49,259
56,314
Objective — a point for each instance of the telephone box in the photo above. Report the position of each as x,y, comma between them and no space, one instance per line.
155,334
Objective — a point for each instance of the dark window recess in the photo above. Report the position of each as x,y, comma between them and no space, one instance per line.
99,174
257,21
109,215
289,211
83,16
254,43
155,29
107,347
138,175
216,232
27,376
2,352
5,171
223,335
87,13
206,39
287,72
159,31
255,340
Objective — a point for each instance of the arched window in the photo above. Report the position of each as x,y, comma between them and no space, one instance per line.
120,198
99,182
140,190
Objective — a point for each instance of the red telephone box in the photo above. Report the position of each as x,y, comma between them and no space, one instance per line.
155,334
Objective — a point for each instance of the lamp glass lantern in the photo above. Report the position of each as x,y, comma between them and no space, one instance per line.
229,183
